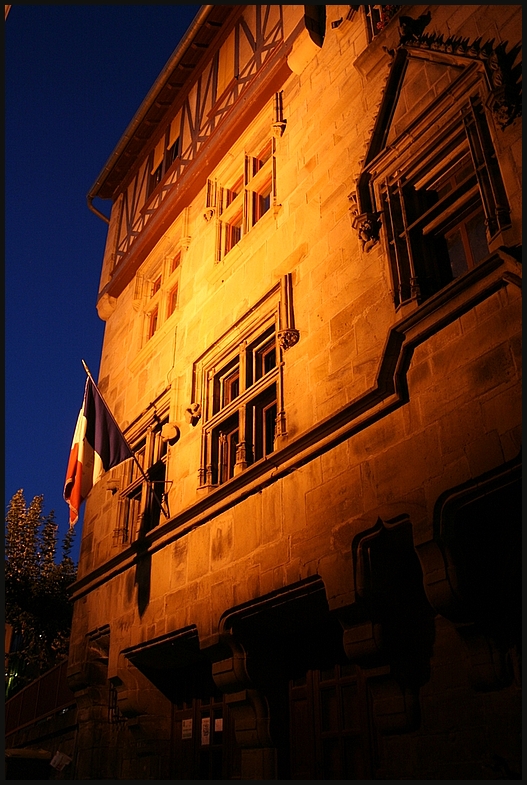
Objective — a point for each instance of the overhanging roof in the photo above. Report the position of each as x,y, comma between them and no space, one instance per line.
172,80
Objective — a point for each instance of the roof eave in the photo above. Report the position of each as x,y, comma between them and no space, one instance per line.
97,189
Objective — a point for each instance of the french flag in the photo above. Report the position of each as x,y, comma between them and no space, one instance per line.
97,446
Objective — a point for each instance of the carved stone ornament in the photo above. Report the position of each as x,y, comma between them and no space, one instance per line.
106,306
170,432
277,129
412,29
288,338
505,98
367,225
193,413
209,213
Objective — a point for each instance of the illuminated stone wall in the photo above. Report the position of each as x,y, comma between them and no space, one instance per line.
393,421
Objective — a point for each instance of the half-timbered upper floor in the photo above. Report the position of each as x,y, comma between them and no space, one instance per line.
229,64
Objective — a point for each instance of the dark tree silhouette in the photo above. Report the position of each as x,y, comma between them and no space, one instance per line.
38,608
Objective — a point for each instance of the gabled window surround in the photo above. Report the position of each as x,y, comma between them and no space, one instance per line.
437,203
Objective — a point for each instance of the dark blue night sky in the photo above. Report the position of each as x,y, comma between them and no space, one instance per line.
75,76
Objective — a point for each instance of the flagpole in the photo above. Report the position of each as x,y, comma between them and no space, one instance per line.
134,456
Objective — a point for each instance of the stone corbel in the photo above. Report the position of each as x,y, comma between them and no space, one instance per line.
395,705
362,642
170,433
106,306
389,599
288,335
288,338
504,100
87,678
278,128
440,580
367,225
129,684
230,674
193,413
303,51
249,709
211,202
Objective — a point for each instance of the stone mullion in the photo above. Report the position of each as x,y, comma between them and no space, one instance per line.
241,447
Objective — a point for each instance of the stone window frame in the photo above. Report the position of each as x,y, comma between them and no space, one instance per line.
451,130
159,290
419,266
242,195
238,384
140,501
237,404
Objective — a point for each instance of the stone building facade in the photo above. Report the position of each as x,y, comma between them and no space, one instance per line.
312,295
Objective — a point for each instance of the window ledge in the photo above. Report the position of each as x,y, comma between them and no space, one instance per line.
463,293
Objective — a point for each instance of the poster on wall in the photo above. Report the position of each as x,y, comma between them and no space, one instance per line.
186,729
205,730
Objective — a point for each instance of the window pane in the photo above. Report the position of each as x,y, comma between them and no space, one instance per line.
328,709
354,767
261,204
270,360
233,192
140,453
152,324
350,707
173,153
264,359
233,234
176,261
132,510
156,475
331,754
227,442
155,179
263,420
456,253
231,387
270,426
172,304
226,385
477,237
